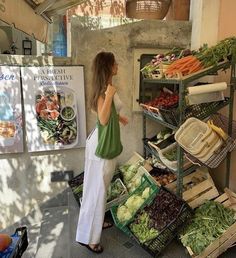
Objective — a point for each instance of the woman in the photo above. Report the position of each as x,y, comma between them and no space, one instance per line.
98,171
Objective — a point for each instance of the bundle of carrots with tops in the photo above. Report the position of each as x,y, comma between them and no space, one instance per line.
184,66
203,58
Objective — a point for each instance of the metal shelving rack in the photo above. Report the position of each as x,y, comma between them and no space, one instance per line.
181,84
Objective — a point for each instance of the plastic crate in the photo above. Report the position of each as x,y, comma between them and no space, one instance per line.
156,246
146,182
164,143
18,246
123,196
76,185
169,232
120,198
200,111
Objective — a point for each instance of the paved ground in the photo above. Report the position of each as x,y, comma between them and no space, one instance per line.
52,227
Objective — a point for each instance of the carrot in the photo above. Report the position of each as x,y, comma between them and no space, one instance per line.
183,60
185,66
195,67
180,62
185,70
189,63
170,70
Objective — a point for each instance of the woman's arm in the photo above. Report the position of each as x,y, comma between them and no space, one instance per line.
123,119
104,105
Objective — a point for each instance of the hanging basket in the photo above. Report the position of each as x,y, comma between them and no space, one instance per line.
147,9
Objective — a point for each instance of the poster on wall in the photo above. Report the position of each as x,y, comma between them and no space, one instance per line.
11,133
54,106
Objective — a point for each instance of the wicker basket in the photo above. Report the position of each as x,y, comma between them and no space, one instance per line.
144,9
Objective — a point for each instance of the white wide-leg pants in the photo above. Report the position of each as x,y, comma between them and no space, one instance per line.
97,177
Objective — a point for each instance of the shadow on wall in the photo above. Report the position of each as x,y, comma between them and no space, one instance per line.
25,178
25,183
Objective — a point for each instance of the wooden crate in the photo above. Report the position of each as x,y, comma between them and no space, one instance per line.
204,190
228,239
137,158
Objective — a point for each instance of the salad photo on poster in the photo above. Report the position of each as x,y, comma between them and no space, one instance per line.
57,116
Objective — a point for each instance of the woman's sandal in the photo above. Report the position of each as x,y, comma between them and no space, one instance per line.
96,249
107,225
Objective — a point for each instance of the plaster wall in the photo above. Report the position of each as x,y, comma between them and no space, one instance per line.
226,28
204,15
124,41
212,22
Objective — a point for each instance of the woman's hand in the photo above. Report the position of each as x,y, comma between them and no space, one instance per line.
110,92
123,119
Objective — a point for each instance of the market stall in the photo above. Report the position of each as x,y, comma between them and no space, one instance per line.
168,191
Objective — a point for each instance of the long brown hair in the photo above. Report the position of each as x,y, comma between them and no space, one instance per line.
102,71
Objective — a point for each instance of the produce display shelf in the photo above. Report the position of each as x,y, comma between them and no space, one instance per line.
191,77
151,150
186,172
214,109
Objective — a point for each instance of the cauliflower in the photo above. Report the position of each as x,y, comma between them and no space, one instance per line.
129,171
134,183
146,193
123,213
134,203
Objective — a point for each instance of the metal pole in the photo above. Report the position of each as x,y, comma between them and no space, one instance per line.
180,153
231,109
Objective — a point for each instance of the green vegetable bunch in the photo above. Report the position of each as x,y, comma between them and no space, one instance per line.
128,172
140,228
171,154
115,190
210,221
132,205
210,56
